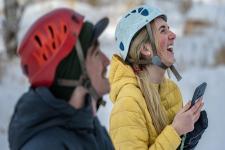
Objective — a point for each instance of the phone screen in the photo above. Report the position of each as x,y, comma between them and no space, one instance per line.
199,92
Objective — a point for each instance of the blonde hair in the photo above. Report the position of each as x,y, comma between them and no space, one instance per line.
151,94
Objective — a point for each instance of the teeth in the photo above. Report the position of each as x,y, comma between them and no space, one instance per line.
105,74
170,47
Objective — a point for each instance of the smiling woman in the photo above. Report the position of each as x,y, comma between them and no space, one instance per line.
164,41
147,111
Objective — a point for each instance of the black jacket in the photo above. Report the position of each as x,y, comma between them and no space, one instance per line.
42,122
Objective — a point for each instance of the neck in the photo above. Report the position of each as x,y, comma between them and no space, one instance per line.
156,73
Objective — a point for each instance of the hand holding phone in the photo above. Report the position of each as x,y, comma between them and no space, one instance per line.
199,92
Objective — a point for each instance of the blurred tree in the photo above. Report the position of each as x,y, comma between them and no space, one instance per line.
94,2
220,56
185,5
13,12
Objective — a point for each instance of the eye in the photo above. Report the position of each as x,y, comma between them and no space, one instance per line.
97,53
163,30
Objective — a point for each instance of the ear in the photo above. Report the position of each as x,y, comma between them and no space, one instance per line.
146,50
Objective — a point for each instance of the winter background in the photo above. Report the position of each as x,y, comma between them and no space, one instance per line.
199,49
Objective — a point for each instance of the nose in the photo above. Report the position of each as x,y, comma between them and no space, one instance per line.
172,36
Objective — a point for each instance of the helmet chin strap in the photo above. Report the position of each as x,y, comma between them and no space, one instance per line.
84,79
156,59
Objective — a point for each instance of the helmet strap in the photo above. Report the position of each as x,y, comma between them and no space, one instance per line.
84,79
86,82
80,56
155,59
152,39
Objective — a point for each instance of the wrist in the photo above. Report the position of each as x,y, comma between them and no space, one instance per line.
176,129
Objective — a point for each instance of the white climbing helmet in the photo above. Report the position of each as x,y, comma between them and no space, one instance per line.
131,23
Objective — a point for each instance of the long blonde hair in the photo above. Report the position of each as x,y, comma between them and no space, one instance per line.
151,94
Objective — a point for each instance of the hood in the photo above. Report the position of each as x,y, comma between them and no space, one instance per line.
38,110
120,75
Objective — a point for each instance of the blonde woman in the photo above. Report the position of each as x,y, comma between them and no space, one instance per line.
147,111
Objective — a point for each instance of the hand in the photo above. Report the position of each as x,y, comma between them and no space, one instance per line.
77,99
193,137
185,119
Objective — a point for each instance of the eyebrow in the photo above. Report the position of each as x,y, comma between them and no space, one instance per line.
163,26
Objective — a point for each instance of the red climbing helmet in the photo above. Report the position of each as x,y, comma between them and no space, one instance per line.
50,39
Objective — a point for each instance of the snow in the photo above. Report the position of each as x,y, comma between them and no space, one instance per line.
194,53
214,103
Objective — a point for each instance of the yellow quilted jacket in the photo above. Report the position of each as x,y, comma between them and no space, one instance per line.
131,127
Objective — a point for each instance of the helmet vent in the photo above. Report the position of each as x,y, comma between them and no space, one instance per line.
140,9
38,40
51,31
127,15
74,18
145,12
53,45
133,11
65,28
121,46
44,57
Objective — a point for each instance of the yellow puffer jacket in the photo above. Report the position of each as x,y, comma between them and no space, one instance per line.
131,127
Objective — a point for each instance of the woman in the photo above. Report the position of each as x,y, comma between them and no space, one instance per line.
147,111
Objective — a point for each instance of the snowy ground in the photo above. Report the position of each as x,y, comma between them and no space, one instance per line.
195,57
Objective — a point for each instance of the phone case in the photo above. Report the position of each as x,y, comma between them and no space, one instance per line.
199,91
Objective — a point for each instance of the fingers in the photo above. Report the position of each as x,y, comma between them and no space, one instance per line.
196,117
90,50
197,113
196,106
186,107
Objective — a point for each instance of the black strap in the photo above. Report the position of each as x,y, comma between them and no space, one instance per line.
176,73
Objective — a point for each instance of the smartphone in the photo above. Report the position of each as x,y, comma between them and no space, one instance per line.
199,92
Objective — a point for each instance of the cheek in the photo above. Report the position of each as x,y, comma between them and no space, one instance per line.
162,44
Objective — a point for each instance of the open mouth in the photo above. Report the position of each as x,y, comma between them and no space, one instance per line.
170,48
104,74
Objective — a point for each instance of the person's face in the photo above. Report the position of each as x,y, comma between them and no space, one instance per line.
96,65
165,40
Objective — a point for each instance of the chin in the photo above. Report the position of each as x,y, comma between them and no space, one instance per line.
171,61
104,89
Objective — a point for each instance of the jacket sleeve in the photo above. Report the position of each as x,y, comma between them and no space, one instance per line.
128,129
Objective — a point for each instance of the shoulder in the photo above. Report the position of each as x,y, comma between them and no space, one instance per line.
129,98
129,107
48,139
